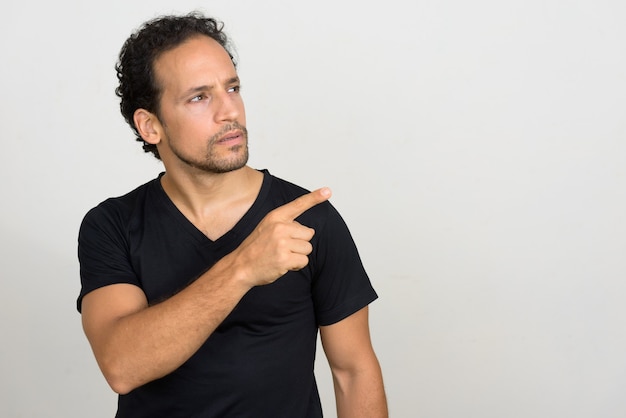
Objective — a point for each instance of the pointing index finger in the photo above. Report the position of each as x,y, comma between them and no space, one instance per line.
303,203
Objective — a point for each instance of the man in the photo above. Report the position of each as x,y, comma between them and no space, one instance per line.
204,289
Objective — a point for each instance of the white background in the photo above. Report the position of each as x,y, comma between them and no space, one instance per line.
476,149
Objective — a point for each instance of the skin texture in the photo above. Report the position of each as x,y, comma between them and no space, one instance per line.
201,136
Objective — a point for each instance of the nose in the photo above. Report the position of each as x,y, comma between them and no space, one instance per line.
227,108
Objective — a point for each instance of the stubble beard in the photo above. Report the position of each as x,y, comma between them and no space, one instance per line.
212,163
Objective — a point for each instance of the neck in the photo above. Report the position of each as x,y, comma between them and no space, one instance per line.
200,193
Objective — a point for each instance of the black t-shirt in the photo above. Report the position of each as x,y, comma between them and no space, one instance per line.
259,361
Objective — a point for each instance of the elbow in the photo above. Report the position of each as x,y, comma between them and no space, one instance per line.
117,377
120,387
341,378
118,384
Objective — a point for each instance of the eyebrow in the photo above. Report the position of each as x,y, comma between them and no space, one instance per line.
207,87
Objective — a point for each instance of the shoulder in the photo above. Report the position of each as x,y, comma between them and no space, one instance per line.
282,191
280,187
117,212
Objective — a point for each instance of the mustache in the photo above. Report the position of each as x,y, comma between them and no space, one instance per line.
227,128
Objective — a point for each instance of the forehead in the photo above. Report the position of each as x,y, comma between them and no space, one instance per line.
199,59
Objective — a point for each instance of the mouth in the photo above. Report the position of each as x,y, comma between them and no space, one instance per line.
232,136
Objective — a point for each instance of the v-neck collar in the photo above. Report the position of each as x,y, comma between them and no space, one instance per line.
239,228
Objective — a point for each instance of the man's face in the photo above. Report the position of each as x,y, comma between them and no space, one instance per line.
201,110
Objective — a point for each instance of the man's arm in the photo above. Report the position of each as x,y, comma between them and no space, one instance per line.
356,373
135,343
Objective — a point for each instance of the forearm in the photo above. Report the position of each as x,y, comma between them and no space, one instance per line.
135,344
360,393
142,346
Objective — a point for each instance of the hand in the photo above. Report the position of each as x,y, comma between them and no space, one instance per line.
279,244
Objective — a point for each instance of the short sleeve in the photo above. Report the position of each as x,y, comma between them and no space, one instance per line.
340,285
103,251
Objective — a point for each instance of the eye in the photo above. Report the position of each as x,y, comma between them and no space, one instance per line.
198,98
234,89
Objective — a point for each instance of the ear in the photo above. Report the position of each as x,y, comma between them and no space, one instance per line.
148,125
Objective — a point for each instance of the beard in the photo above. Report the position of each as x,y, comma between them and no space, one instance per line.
213,163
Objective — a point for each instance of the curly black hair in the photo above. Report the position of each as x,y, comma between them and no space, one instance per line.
137,87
